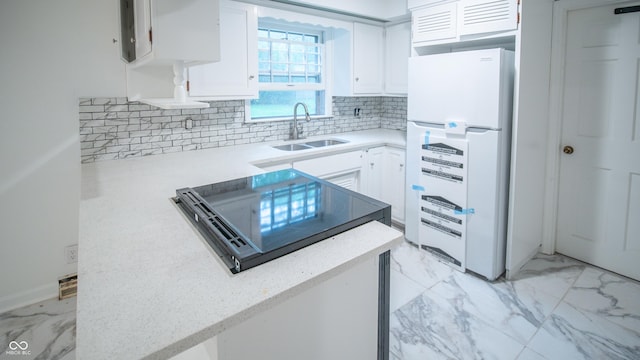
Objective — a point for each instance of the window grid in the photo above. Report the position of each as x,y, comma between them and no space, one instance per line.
289,57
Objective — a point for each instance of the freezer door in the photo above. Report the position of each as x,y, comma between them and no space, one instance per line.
474,87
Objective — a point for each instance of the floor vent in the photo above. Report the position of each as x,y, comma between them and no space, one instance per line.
68,286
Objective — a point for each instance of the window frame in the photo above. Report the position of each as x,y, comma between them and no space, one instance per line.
325,70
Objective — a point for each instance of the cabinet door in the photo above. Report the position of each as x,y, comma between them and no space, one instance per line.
483,16
394,188
236,72
368,58
397,50
373,169
142,13
438,22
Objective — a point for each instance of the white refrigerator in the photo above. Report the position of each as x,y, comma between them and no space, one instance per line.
458,146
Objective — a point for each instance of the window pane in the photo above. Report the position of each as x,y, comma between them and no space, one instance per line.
313,59
280,78
297,68
314,79
297,48
263,67
310,38
263,33
279,67
278,35
296,58
280,103
295,37
263,45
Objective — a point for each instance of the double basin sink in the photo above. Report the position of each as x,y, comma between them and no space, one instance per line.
309,144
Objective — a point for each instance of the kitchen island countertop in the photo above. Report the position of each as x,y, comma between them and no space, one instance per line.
150,287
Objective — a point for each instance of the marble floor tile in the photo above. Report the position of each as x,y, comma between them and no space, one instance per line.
528,354
571,333
507,306
608,295
551,274
45,330
403,290
418,265
431,327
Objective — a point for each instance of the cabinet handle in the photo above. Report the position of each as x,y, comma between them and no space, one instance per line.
251,77
357,79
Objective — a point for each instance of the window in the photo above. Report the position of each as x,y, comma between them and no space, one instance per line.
291,69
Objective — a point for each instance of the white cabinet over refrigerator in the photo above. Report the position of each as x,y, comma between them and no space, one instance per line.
458,144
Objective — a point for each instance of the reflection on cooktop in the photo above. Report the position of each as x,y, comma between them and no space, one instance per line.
275,213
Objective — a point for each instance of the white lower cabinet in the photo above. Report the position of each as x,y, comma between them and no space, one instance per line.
383,177
341,169
373,168
394,186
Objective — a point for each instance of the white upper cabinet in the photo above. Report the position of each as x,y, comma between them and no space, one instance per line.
438,22
235,75
359,61
368,59
482,16
167,31
397,52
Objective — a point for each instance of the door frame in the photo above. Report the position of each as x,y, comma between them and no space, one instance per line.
561,9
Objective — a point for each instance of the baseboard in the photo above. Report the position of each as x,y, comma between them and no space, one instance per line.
15,301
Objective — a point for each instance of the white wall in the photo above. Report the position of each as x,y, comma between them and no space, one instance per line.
52,53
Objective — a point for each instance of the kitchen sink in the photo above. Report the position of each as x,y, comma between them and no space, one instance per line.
328,142
309,145
292,147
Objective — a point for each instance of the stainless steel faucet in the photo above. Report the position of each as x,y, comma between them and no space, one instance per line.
295,133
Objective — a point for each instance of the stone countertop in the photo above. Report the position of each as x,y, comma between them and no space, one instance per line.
150,287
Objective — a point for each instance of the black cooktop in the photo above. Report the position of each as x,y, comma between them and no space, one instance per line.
252,220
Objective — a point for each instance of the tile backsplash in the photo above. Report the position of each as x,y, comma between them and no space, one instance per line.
112,128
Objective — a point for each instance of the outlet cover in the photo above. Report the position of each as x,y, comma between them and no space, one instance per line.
71,254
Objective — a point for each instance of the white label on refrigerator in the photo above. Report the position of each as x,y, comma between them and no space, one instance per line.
444,161
443,215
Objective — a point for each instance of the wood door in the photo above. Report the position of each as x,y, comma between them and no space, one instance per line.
599,184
